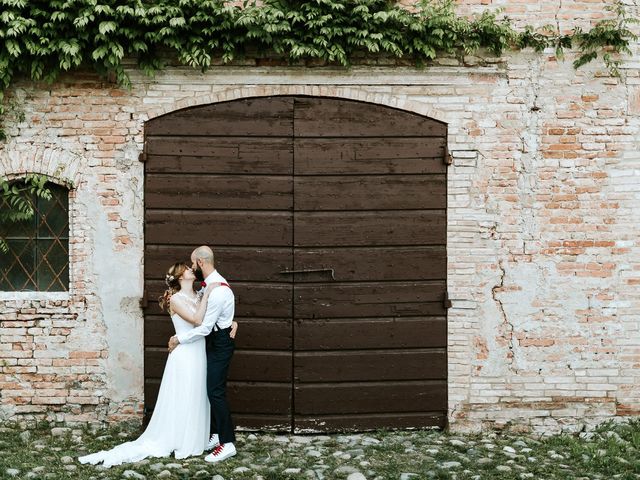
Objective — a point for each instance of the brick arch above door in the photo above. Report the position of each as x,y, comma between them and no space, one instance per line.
342,92
329,218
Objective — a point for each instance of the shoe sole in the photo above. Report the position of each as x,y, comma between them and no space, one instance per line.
219,459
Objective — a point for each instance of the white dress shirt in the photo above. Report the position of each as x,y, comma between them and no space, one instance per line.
220,310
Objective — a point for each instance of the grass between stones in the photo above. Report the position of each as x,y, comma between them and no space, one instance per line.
611,451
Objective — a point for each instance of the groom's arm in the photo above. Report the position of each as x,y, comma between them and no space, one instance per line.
214,307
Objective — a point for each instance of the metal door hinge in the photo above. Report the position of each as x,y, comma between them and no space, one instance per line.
143,154
446,303
448,158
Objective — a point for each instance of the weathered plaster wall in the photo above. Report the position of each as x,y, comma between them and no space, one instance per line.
543,249
76,356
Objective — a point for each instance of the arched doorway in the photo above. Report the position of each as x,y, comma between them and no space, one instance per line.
328,217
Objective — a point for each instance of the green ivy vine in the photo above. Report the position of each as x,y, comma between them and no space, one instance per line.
17,199
41,39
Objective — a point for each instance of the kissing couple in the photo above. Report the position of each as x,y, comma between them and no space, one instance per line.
191,414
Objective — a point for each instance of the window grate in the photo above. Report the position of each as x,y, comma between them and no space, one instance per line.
38,256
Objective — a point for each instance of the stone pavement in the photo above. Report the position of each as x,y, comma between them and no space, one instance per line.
606,453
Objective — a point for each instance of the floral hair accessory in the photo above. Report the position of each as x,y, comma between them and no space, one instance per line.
168,279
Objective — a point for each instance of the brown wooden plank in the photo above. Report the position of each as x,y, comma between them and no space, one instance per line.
370,397
261,333
313,229
157,330
370,365
244,398
369,264
370,192
331,117
246,365
219,192
261,366
369,299
215,228
253,264
218,153
259,398
341,423
252,299
362,333
253,333
235,155
264,423
151,389
154,363
348,156
249,116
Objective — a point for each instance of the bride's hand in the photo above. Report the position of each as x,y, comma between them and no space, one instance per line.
234,329
208,290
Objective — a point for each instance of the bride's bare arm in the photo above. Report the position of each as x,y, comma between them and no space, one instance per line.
179,306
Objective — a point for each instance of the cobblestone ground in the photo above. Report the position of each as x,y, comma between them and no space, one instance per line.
611,451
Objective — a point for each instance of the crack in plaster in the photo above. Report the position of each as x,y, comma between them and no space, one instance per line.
495,290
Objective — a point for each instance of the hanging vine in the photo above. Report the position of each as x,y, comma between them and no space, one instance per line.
41,39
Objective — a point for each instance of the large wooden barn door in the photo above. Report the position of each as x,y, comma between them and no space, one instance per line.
329,219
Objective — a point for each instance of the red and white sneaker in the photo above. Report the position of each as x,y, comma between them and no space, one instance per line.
214,441
220,452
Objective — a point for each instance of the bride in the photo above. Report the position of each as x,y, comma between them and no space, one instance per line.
180,420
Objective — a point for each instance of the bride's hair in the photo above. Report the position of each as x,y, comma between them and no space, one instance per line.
172,279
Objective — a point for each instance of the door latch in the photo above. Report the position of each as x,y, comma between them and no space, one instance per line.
312,270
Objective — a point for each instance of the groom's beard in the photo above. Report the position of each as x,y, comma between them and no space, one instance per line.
199,275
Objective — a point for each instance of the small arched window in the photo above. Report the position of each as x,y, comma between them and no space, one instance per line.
38,248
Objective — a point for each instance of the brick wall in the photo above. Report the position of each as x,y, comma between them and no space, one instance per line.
543,249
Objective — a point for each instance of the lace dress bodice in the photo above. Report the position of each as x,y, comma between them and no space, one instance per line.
180,324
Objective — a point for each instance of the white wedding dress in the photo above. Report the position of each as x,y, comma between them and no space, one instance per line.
180,420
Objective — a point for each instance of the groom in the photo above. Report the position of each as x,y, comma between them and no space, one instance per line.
216,328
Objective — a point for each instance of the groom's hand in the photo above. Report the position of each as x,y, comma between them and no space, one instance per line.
234,329
173,343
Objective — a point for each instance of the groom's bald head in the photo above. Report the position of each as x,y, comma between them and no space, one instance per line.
203,256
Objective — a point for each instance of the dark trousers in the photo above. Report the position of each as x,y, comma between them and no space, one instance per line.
220,348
